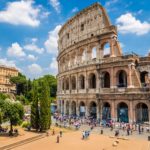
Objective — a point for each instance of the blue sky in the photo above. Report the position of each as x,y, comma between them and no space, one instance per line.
28,30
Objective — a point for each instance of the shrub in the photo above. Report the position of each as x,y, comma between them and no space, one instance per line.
25,124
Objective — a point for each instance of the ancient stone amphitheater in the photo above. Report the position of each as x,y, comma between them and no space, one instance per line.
94,77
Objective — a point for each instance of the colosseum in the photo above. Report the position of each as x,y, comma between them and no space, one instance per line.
94,77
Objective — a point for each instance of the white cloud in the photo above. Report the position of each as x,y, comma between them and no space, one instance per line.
74,10
20,13
35,69
56,5
108,3
127,23
33,47
51,43
15,50
6,62
53,67
32,57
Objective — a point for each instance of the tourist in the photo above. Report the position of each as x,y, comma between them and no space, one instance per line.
60,133
53,132
57,139
83,135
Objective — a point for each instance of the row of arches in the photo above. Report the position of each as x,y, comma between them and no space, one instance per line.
141,111
87,54
92,80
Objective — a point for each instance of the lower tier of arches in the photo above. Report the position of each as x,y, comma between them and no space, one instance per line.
121,111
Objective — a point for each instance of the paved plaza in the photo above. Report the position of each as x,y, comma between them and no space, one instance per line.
73,141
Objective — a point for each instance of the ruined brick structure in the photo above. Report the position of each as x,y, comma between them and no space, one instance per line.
94,77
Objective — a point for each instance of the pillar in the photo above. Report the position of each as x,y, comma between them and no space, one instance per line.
130,85
98,111
131,112
64,107
70,113
86,111
113,117
77,109
112,49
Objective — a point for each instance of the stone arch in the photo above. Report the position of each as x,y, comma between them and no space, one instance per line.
67,83
94,49
73,83
121,78
83,54
106,80
143,77
82,82
106,112
106,49
93,109
73,108
92,81
122,112
141,112
82,109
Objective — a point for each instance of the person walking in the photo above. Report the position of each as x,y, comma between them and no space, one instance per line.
60,133
83,135
57,139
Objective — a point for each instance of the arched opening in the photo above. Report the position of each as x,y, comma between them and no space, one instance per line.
143,77
73,108
93,52
93,110
82,82
122,79
67,108
92,81
83,56
67,84
122,110
73,83
142,113
106,114
106,50
82,109
106,80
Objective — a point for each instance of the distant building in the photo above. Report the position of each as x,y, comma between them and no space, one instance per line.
5,73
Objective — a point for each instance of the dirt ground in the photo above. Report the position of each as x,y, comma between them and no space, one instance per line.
73,141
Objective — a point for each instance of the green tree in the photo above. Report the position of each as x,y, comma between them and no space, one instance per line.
45,117
1,117
13,112
34,107
20,82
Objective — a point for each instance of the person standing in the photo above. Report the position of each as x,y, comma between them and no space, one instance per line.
60,133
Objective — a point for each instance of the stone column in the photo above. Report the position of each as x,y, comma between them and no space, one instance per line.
86,110
59,106
77,109
130,85
130,113
64,107
113,117
97,52
112,83
98,110
70,112
101,110
111,49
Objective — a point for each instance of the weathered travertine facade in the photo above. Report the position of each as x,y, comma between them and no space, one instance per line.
95,78
5,74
